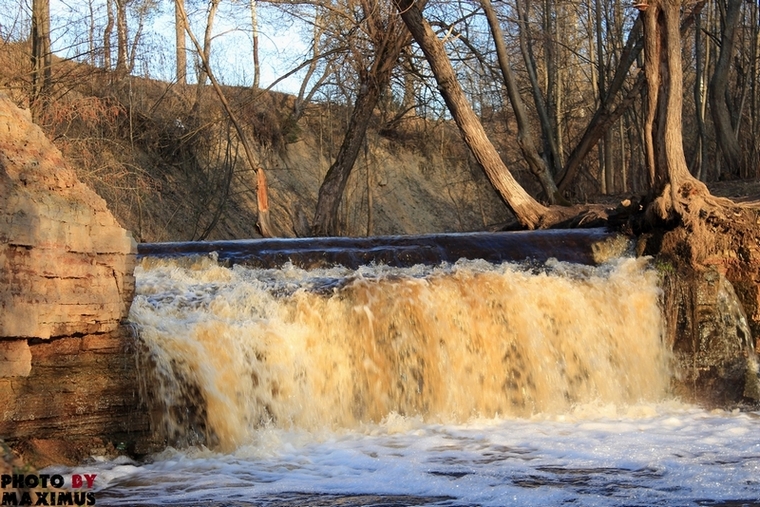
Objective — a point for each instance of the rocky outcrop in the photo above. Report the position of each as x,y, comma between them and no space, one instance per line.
66,369
712,342
68,262
711,309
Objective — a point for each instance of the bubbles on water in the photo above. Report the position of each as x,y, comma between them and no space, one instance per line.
233,350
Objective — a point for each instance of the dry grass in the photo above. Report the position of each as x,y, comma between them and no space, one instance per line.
158,154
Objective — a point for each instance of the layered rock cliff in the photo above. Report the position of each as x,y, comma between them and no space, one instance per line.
66,369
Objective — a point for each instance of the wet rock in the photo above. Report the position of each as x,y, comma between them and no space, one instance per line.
711,339
711,282
11,463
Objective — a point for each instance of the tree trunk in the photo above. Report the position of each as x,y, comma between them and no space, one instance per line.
91,35
255,28
556,146
179,37
204,54
697,166
262,200
551,60
669,177
724,130
538,166
370,199
107,34
623,157
121,38
755,90
528,211
41,55
409,101
605,150
389,45
207,38
334,184
136,41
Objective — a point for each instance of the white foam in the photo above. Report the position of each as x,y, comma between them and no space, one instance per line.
678,456
592,333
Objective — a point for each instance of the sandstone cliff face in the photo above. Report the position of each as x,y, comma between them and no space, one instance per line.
68,264
65,286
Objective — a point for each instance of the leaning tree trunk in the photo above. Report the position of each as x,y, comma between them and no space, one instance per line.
389,42
334,184
529,212
537,164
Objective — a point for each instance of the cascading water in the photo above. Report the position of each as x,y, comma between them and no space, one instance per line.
465,384
332,348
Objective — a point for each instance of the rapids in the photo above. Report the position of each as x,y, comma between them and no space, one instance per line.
643,455
333,348
460,384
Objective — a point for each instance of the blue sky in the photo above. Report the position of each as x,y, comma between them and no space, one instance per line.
283,45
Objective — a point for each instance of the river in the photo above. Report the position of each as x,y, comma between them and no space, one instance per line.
459,384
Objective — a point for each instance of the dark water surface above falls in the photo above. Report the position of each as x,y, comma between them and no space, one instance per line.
580,246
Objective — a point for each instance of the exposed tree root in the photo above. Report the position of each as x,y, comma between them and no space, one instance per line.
714,224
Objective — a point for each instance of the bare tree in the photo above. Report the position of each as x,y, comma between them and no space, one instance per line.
388,37
179,37
529,212
538,165
724,128
41,54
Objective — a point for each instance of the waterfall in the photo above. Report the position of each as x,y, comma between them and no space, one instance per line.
226,351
